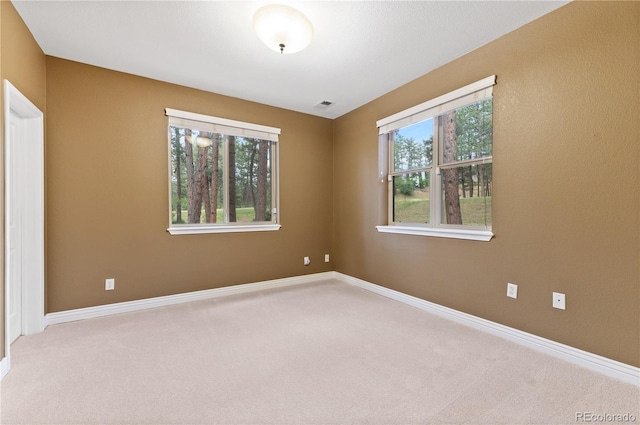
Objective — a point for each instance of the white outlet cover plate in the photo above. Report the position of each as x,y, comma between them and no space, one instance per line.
559,301
512,290
109,284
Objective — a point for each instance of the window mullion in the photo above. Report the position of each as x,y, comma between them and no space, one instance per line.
476,161
225,180
434,192
390,170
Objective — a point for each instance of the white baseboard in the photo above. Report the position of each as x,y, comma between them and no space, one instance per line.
612,368
130,306
5,367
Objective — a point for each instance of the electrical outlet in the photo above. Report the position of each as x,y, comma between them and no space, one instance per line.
559,301
326,258
307,261
512,290
109,284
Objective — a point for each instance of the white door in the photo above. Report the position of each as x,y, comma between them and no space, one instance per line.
14,232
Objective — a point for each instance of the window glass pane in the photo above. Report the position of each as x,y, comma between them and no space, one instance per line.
249,179
468,132
220,178
466,195
413,146
196,168
411,198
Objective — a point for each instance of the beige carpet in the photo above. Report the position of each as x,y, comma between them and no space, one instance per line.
322,353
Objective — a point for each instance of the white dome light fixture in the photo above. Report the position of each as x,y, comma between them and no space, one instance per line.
201,142
282,28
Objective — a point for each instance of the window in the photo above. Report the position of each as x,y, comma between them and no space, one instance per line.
223,175
437,158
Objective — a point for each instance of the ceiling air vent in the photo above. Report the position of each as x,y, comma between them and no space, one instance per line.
324,104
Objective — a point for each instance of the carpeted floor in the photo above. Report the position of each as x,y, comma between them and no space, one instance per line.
322,353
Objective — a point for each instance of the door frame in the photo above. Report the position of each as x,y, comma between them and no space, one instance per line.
32,208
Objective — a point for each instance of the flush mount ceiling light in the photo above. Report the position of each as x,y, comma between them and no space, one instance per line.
282,28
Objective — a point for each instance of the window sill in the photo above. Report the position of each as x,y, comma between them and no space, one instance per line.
468,234
198,230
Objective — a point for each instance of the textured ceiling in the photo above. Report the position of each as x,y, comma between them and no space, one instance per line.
360,51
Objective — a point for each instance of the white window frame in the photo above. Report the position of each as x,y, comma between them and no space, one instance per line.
233,128
474,92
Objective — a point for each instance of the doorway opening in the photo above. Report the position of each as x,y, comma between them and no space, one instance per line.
24,218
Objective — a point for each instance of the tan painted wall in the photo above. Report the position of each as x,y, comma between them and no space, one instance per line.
566,206
22,62
107,192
